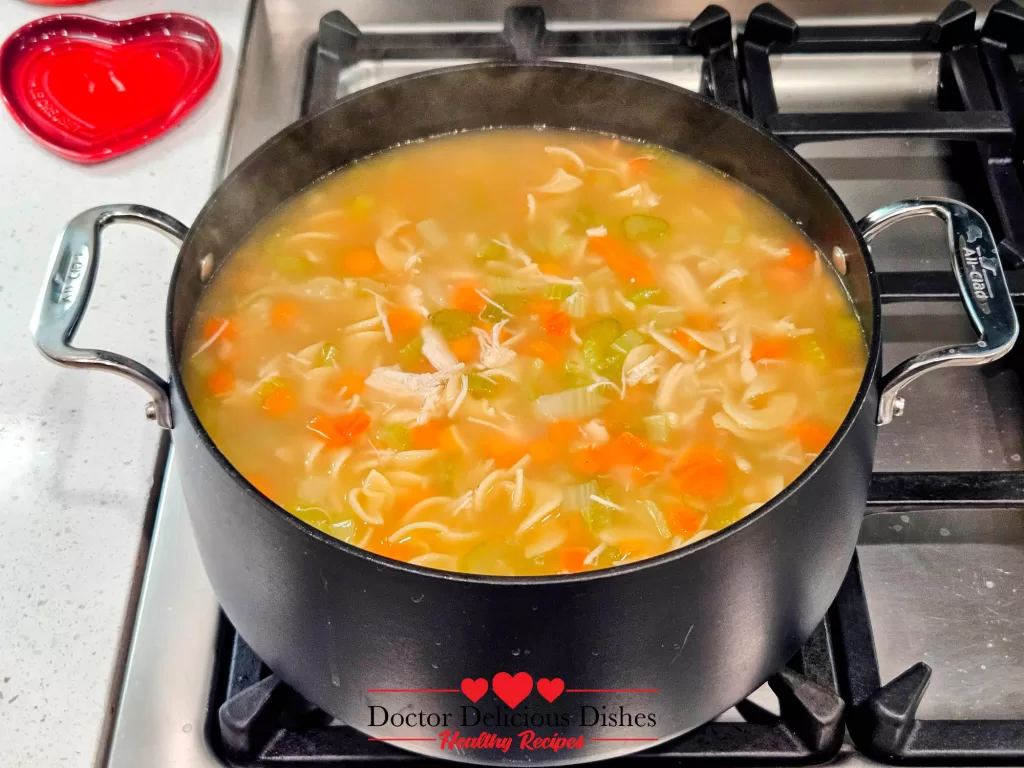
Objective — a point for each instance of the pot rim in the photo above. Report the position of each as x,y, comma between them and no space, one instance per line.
868,379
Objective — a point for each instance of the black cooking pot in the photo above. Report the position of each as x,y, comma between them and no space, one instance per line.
671,641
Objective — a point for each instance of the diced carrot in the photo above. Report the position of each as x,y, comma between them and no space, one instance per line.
505,452
544,350
283,315
553,268
684,521
544,451
220,328
813,435
702,472
362,262
351,383
341,430
627,264
466,296
353,424
628,450
404,322
563,432
466,349
589,462
650,463
800,257
412,497
572,559
785,279
447,443
641,166
279,402
426,436
557,324
769,349
686,341
221,383
542,307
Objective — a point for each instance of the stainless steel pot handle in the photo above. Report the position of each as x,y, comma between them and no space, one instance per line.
68,287
979,274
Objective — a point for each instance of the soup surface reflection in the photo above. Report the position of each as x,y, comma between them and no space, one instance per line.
524,352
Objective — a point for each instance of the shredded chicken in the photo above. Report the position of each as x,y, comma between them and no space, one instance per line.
568,154
493,352
436,350
560,183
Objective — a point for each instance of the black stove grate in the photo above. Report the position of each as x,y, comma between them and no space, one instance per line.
524,37
258,721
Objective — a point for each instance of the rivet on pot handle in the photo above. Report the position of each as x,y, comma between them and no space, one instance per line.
66,295
979,274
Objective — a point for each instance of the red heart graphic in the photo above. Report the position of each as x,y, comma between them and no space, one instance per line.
512,690
474,689
90,89
550,689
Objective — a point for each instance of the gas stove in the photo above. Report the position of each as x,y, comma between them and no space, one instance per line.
921,658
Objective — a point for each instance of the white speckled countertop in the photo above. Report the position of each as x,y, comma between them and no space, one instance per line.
77,456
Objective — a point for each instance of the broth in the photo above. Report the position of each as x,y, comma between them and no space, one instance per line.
523,352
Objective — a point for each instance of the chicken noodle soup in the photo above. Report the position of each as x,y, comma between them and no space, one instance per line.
523,352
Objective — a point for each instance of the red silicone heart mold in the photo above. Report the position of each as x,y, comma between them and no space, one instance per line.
90,89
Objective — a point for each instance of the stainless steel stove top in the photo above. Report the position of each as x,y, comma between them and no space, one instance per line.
944,586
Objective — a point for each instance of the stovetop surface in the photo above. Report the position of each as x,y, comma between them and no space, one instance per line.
941,555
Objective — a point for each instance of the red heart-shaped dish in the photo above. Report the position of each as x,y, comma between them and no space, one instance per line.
90,89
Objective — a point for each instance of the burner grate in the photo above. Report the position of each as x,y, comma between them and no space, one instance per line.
525,37
882,718
256,720
261,721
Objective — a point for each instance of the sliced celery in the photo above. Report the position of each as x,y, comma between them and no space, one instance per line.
572,404
628,341
597,344
270,385
492,314
287,262
642,226
848,330
481,386
559,291
453,323
576,305
812,352
395,436
562,244
491,251
412,353
597,517
642,296
657,428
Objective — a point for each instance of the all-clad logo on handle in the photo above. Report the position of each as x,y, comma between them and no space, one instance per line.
978,267
72,280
